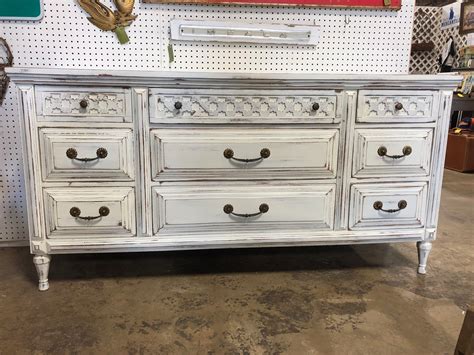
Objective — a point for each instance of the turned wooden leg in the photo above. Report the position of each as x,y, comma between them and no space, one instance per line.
42,267
424,249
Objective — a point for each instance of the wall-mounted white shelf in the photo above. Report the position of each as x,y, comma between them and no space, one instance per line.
240,32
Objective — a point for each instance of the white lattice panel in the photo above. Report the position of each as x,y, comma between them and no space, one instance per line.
426,28
460,41
358,41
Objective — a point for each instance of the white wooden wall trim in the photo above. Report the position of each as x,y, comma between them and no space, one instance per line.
304,167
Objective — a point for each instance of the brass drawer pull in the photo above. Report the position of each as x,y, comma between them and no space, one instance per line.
71,153
382,151
83,103
178,105
315,107
378,205
398,106
229,209
76,213
264,154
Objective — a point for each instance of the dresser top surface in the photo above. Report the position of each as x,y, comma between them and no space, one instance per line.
234,80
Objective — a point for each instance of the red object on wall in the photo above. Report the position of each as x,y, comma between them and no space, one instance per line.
380,4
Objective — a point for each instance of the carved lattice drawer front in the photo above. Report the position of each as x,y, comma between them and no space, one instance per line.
392,152
227,106
244,153
397,106
89,212
387,205
81,154
83,104
225,208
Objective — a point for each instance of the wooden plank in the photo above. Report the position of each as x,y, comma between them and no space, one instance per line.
387,4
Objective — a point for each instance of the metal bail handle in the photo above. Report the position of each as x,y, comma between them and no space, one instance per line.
406,151
378,205
229,209
101,153
76,213
264,154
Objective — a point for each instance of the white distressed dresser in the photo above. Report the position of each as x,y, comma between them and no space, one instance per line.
134,161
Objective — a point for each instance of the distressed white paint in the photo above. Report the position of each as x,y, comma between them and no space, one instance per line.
380,106
368,163
174,195
197,209
199,153
119,223
57,166
363,215
103,105
251,106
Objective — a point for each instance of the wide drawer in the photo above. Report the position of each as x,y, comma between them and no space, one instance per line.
225,208
394,205
83,104
392,152
90,212
396,106
86,154
244,153
244,106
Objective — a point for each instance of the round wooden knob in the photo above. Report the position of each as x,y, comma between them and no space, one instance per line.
178,105
84,103
398,106
315,106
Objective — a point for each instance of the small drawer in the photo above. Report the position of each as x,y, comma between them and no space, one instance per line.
224,208
392,152
234,106
83,105
86,154
88,212
387,206
244,153
396,106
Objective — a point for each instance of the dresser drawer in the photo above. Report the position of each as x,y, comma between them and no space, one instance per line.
196,209
86,154
394,205
396,106
90,212
244,153
239,106
83,104
392,152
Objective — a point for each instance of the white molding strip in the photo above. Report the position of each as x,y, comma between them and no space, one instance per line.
241,32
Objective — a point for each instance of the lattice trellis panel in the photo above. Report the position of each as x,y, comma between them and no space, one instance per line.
427,27
459,41
352,40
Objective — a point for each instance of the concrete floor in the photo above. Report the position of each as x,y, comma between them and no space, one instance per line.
318,300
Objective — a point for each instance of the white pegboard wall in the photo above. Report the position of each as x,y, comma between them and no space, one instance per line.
13,224
352,41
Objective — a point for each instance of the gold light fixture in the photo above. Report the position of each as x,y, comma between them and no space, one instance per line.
108,20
